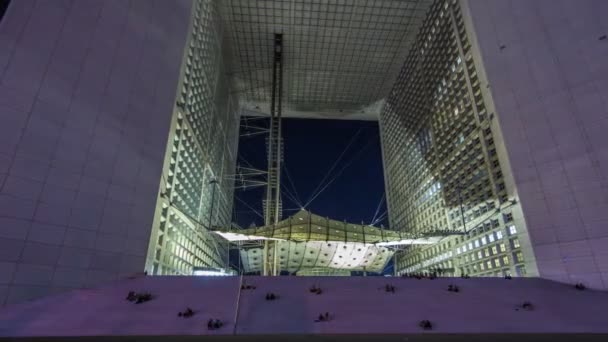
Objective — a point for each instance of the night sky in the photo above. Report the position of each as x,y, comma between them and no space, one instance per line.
311,148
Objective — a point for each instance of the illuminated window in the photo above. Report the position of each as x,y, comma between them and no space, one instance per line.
503,247
491,237
458,250
482,267
516,243
505,260
470,245
489,264
499,234
476,243
494,250
512,229
479,255
483,240
521,270
487,252
497,262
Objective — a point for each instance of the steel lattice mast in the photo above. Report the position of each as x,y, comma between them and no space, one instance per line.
272,203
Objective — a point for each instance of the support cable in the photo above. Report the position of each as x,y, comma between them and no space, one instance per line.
295,190
248,187
378,208
289,195
327,174
248,206
246,162
380,218
294,194
339,173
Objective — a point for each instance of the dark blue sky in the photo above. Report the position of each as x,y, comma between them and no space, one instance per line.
311,148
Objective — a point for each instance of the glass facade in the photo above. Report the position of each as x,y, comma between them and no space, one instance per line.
441,163
196,192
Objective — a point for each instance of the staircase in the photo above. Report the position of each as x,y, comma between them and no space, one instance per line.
357,305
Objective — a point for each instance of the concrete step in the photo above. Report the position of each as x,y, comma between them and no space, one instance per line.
357,305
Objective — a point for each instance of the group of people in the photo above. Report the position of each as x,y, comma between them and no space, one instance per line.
138,298
420,276
187,313
271,296
316,290
323,317
453,288
526,306
426,324
214,324
246,286
389,288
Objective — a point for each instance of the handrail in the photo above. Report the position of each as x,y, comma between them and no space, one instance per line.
236,310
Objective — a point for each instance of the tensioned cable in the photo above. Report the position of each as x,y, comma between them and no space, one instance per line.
384,212
248,206
380,218
287,193
294,195
314,192
246,162
378,208
249,187
339,172
243,211
295,190
337,175
290,196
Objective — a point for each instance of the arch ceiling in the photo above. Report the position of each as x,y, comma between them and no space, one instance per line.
340,57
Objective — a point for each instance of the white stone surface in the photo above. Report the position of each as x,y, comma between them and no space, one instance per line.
549,86
357,306
86,95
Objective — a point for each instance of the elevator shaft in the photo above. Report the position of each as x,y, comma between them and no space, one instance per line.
272,203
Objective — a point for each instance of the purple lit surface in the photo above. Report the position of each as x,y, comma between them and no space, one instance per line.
357,305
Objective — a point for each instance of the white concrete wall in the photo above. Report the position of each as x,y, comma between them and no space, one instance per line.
86,95
548,75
